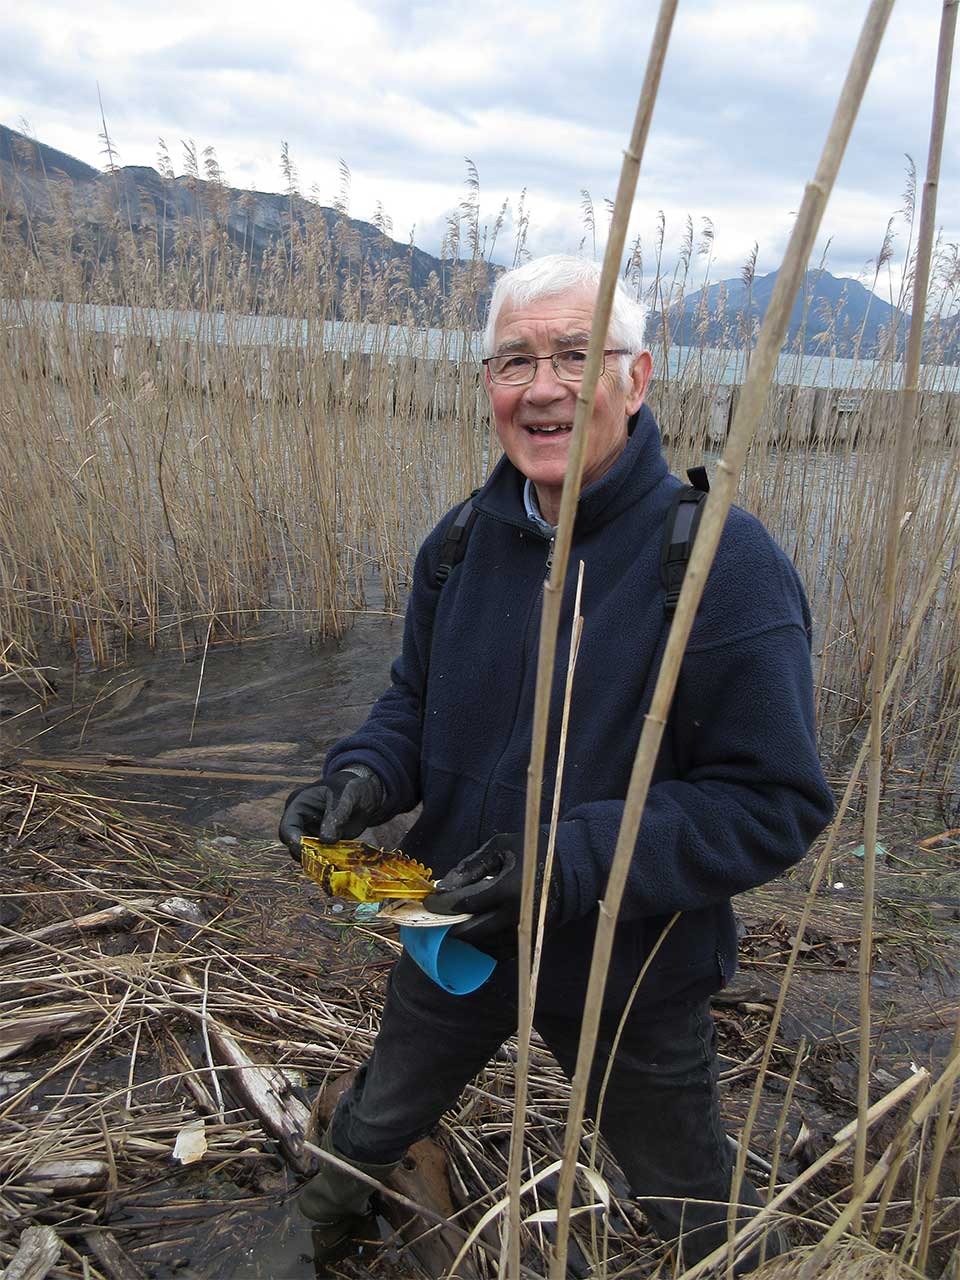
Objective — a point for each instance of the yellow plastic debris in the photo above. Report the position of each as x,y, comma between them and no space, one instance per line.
352,869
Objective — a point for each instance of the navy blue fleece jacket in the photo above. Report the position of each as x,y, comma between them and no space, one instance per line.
737,795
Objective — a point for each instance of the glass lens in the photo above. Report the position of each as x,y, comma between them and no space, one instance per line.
513,368
570,365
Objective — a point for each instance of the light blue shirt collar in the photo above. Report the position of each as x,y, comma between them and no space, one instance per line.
533,508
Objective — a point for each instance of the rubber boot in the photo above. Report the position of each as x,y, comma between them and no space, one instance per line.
336,1204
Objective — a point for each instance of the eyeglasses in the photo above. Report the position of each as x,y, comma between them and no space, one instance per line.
515,370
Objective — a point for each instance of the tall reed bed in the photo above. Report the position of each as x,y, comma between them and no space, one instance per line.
200,442
155,487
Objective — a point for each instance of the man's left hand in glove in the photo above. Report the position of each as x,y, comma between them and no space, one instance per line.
338,807
487,884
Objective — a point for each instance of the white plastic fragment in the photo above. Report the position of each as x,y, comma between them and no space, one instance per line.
191,1142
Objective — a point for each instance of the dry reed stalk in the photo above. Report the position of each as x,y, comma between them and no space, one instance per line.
782,1117
715,510
899,1151
575,634
925,1205
888,1163
894,523
232,450
615,1043
553,598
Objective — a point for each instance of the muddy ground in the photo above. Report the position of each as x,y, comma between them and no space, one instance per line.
190,814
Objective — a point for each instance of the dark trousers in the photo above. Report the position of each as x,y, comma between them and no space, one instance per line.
660,1114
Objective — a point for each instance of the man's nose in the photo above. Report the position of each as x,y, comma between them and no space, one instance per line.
545,385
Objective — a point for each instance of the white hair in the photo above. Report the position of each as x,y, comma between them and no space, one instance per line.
559,273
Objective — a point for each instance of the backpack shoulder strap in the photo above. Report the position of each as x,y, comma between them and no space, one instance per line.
452,550
679,532
454,545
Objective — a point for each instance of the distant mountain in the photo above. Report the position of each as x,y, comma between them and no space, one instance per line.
832,316
57,202
23,153
40,186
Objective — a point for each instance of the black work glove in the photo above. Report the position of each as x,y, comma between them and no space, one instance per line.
335,808
487,884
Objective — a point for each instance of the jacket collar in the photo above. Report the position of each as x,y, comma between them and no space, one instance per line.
640,467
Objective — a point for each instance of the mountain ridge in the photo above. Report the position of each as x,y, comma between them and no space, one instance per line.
36,181
832,315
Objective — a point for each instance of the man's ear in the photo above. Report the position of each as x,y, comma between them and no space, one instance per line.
640,375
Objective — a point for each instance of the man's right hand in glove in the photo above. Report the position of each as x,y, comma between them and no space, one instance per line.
487,885
335,808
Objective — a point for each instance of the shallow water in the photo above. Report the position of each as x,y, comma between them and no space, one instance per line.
712,365
267,711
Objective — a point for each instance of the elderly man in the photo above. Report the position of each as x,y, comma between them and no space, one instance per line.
736,798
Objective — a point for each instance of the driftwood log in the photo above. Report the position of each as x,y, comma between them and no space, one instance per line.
68,1177
120,916
39,1250
22,1033
115,1263
263,1090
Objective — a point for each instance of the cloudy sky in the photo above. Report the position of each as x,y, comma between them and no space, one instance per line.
540,96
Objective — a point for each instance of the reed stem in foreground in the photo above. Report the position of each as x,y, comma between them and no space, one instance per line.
553,593
891,560
771,339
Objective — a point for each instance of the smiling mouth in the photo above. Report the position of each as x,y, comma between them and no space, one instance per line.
550,429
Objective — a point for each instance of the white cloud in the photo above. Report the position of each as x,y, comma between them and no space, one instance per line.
766,36
540,96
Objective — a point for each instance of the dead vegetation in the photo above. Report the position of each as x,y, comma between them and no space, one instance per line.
170,1005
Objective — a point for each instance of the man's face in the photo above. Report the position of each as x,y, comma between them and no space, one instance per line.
526,416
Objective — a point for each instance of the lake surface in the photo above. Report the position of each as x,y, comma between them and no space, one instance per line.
706,365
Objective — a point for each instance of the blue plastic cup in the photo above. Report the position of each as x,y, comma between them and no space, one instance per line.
455,966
